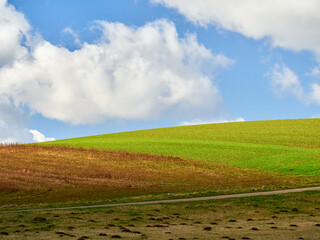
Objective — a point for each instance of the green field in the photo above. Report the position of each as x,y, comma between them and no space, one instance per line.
284,146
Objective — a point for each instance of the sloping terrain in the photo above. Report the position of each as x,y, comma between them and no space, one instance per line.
175,162
36,174
285,146
167,163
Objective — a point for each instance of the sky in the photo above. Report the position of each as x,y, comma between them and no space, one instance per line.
78,68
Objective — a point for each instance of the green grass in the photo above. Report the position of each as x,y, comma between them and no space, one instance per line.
285,146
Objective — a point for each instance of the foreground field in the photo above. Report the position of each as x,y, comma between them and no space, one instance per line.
289,216
36,174
163,164
284,146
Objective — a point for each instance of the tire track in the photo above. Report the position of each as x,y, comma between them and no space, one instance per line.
240,195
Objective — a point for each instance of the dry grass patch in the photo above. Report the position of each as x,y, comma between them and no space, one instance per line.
33,174
288,216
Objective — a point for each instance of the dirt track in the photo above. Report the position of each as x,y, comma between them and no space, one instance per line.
175,200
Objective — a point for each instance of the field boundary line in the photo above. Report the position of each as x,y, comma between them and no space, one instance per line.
239,195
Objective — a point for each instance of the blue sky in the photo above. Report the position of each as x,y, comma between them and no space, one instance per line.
77,68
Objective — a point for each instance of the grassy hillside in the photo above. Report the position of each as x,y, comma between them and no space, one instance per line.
35,174
285,146
163,163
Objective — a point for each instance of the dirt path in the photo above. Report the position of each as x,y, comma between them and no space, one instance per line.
296,190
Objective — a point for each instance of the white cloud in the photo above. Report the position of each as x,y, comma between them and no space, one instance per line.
130,73
197,121
13,28
13,125
39,137
285,81
13,32
291,24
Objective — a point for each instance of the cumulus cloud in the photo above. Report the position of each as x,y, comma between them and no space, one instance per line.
14,32
285,81
291,24
39,137
13,28
198,121
129,73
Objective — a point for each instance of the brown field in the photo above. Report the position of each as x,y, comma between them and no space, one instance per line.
36,174
288,216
